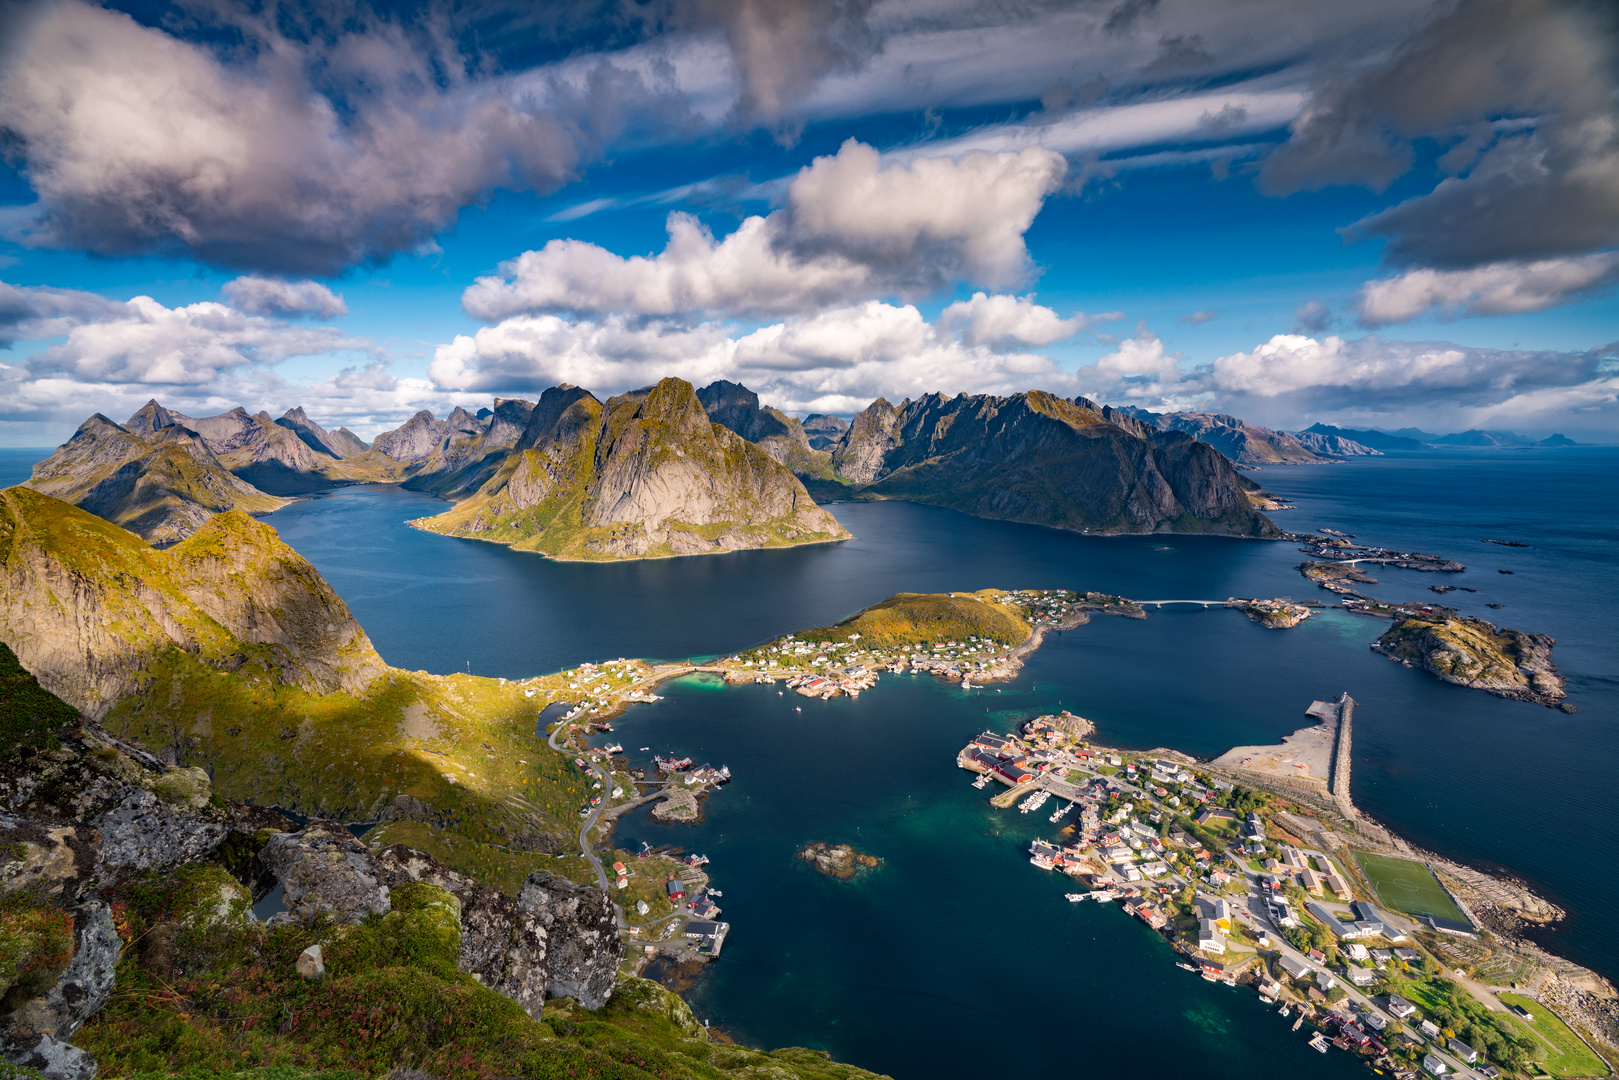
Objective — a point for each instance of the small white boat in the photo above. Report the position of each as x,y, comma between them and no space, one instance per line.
1285,1011
1073,897
1319,1042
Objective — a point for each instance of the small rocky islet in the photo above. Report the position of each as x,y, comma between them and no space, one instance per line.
839,861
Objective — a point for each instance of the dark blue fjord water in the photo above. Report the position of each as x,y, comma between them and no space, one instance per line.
956,949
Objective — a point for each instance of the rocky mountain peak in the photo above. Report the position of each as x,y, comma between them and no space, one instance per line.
150,418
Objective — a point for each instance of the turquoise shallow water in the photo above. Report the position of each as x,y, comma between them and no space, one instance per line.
957,949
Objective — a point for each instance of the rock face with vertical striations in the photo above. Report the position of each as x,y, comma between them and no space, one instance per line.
1038,458
643,475
87,606
152,476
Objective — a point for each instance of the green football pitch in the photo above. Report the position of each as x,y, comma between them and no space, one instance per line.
1408,886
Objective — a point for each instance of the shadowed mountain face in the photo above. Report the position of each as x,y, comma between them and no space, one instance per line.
1038,458
824,430
154,476
645,474
734,406
454,457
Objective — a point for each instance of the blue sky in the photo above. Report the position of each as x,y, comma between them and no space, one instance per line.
1397,214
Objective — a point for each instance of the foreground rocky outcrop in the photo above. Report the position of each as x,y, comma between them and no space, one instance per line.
128,942
643,475
89,607
1478,654
159,481
1041,459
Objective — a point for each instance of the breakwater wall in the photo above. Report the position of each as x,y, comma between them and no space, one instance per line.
1340,756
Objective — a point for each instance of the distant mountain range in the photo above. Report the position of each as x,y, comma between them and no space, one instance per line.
1417,439
1250,444
672,470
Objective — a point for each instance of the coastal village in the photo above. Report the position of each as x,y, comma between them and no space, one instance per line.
1223,858
1221,870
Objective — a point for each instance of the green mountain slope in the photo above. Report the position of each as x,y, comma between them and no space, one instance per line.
644,475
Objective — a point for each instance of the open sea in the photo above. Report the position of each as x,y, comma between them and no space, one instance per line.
956,956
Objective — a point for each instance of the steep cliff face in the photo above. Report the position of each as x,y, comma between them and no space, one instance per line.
154,477
861,455
1035,457
646,474
290,456
87,606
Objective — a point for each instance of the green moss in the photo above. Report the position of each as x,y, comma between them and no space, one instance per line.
30,715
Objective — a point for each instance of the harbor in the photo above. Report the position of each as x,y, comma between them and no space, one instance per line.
1243,886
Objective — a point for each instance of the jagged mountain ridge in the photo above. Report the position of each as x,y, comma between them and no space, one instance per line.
153,476
1038,458
645,474
1252,444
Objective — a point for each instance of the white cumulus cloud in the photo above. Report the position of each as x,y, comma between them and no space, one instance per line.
273,296
1503,288
836,361
853,228
986,320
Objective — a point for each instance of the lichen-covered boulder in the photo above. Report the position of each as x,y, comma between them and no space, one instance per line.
502,946
324,870
586,950
144,832
34,1031
557,939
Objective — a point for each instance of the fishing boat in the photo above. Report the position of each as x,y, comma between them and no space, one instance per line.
1185,967
1073,897
1319,1042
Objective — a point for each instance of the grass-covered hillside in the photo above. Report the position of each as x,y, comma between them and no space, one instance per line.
230,652
922,618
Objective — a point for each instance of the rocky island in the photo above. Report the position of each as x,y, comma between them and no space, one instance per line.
1472,652
642,475
837,860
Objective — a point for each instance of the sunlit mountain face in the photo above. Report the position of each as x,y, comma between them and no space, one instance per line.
1375,216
